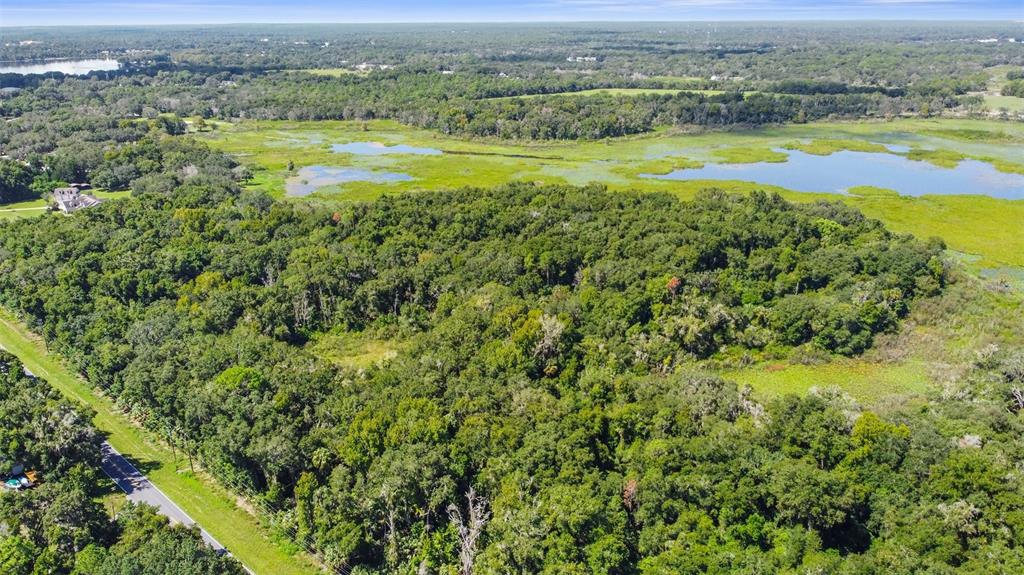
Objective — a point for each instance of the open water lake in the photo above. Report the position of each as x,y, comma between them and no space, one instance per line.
71,67
311,178
843,170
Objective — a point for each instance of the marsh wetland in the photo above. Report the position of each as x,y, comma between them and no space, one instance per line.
961,180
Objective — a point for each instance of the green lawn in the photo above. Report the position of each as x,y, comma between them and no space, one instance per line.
38,207
8,214
22,209
201,497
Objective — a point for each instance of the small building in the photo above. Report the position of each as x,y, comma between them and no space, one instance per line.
72,199
16,477
19,482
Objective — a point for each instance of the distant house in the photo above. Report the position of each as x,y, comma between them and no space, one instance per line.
72,199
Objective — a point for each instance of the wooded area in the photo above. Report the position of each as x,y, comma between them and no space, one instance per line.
522,378
545,329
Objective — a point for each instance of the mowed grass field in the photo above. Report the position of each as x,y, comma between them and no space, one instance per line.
200,496
986,227
996,101
999,102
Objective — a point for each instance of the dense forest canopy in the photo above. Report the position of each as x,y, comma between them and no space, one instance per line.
470,104
546,335
885,53
541,394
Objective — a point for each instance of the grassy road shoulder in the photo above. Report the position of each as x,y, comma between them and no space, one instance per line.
209,504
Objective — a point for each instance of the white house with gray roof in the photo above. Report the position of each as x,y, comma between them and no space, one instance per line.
72,199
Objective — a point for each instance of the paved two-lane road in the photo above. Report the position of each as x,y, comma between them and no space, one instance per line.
234,522
140,490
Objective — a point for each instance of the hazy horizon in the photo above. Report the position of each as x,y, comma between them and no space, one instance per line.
39,13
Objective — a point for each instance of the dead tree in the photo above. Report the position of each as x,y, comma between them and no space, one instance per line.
469,528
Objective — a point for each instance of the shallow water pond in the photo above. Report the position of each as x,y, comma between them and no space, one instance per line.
72,67
843,170
379,149
897,148
311,178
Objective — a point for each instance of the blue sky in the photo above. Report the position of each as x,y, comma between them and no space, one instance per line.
59,12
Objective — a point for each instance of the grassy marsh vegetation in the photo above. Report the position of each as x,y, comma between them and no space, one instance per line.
826,147
979,225
939,342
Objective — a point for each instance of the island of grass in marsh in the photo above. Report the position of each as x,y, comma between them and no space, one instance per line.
748,155
979,225
950,159
940,158
668,164
657,167
825,147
